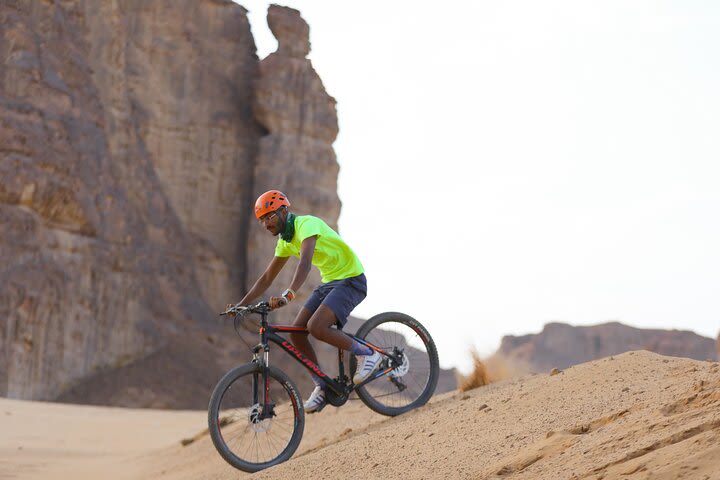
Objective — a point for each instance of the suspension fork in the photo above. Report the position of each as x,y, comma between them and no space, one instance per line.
261,388
265,383
261,391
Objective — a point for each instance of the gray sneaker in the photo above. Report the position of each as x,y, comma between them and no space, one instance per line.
366,365
316,402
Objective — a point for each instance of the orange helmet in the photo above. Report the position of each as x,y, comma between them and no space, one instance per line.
269,202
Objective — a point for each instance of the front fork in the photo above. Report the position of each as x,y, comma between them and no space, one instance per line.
261,383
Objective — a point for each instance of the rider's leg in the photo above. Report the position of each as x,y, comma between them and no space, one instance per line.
343,297
336,306
316,402
320,327
300,340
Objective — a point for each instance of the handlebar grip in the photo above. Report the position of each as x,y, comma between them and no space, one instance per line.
282,301
244,309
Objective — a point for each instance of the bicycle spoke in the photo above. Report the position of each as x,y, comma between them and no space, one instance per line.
246,438
416,377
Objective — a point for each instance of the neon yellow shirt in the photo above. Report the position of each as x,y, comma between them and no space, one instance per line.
332,256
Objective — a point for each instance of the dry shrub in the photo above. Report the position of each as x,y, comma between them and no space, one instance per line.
492,369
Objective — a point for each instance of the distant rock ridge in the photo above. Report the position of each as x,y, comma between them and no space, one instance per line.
560,345
134,137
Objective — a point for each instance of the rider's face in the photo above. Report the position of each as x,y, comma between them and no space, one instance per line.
272,221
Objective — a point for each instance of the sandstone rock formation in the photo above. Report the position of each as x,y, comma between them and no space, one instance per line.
561,345
114,128
296,155
178,80
130,155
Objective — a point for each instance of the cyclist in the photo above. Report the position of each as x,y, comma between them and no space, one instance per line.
343,284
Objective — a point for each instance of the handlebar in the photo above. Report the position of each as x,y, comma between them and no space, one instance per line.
237,309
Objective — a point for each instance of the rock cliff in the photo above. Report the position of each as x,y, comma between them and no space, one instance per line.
92,272
560,345
176,80
134,138
297,154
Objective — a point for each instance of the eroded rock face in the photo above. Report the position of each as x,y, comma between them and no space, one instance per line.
561,345
134,139
177,80
127,151
296,155
92,273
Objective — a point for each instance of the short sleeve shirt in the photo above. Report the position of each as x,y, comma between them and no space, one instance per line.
333,257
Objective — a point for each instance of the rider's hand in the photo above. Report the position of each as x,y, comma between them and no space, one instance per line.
287,296
277,302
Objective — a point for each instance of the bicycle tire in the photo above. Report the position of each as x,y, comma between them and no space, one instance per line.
383,330
229,418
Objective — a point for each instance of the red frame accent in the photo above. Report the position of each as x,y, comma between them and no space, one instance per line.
290,348
290,328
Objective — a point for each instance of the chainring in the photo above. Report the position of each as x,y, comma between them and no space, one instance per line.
334,399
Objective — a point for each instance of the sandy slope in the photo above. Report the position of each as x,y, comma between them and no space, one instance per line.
638,415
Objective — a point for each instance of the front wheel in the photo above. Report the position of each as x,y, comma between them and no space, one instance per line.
412,381
252,430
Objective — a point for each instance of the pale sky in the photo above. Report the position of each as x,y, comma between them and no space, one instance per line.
506,164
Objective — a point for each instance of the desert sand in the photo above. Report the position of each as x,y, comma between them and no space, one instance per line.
637,415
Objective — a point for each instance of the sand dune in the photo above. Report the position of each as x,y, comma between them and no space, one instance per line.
638,415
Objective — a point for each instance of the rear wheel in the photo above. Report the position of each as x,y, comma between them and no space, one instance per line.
250,433
413,379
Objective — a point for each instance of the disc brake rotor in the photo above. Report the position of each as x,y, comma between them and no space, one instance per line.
402,369
258,425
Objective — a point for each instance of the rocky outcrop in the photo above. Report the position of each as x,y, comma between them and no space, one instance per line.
128,151
560,345
93,272
296,155
176,80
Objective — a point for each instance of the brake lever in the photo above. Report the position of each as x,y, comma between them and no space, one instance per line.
235,309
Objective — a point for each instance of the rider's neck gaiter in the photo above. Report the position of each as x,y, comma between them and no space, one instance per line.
289,230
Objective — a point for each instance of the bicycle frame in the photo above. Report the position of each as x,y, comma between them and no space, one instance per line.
270,333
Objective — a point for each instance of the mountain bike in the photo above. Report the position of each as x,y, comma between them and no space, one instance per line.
256,417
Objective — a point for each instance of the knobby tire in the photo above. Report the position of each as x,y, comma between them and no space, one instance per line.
394,329
233,394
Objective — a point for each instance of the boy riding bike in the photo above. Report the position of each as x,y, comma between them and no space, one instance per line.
343,284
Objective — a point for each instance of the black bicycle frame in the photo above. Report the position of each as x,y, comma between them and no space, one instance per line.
270,333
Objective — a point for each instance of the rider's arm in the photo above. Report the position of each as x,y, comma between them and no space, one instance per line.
307,250
265,280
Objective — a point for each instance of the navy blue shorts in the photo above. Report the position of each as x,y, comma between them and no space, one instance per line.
340,296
